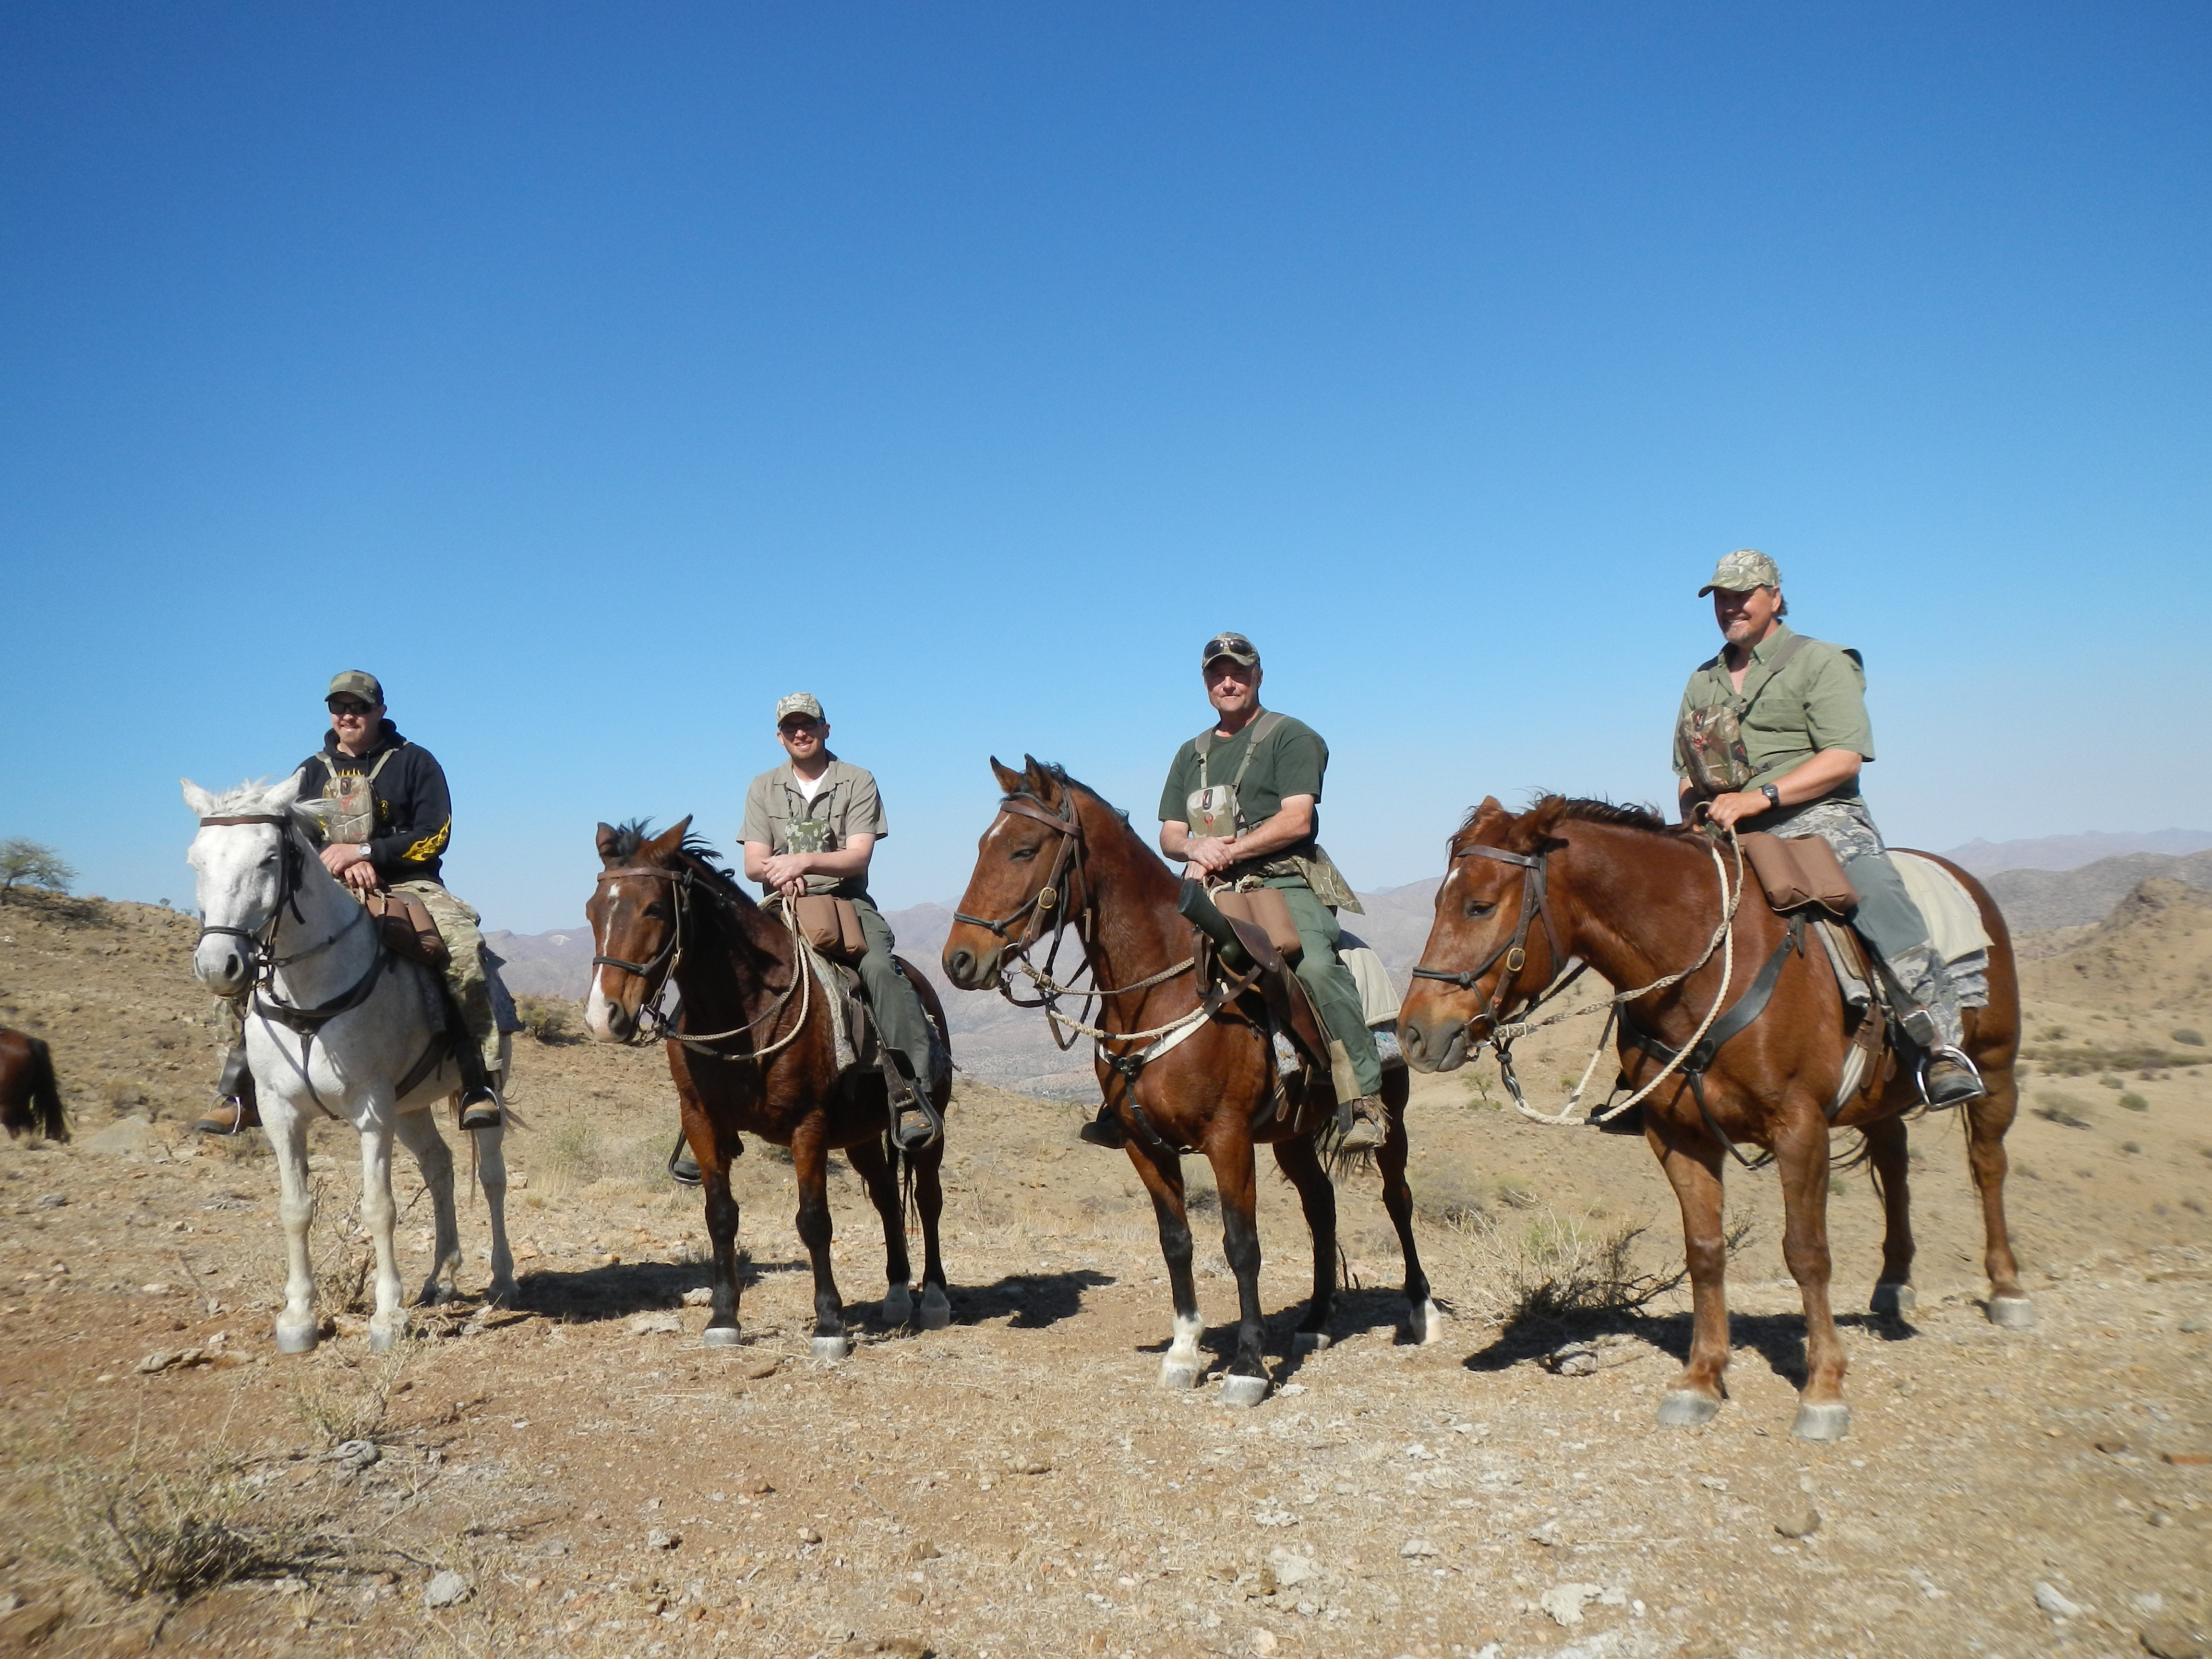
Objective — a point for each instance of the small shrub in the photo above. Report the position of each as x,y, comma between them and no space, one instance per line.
572,1149
1515,1193
2195,1205
1564,1270
341,1404
2054,1034
2056,1106
549,1019
2134,1102
2112,1082
2195,1039
143,1531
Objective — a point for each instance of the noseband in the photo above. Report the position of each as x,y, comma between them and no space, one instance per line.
1514,953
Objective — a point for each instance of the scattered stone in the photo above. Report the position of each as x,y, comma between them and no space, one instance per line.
1225,1571
2112,1445
1801,1523
30,1626
2052,1602
356,1454
703,1297
133,1136
1030,1464
765,1365
161,1360
655,1324
1263,1642
52,1200
1565,1602
1414,1549
1262,1583
658,1539
1574,1359
2188,1459
2190,1326
808,1535
920,1549
1550,1534
2167,1641
1291,1569
757,1488
447,1589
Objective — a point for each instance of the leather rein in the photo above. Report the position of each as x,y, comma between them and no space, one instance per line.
658,972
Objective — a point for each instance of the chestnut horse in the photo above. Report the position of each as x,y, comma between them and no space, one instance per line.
758,1056
1615,887
29,1098
1057,855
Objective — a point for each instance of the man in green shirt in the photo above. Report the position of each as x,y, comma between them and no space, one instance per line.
1770,736
1241,807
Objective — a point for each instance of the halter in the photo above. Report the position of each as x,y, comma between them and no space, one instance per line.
658,972
262,941
1513,952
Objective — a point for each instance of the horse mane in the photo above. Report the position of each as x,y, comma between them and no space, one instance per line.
694,849
1058,773
1583,809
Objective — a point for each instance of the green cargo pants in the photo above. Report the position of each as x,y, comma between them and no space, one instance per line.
1335,993
891,997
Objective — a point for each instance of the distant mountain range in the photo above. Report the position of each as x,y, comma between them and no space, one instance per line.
2057,881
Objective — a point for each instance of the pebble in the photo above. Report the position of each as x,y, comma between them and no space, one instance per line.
1292,1568
447,1589
921,1550
1802,1524
2052,1602
701,1298
1565,1602
2165,1641
658,1539
1418,1548
655,1324
1263,1641
356,1454
1031,1465
2188,1327
808,1535
52,1200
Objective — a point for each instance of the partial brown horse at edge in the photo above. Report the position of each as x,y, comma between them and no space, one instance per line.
663,910
28,1096
1056,854
1638,900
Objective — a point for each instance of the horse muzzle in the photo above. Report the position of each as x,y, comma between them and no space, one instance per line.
607,1020
971,971
1434,1045
221,964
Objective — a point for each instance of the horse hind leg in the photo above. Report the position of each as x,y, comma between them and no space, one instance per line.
491,1176
1247,1382
418,1132
924,1168
875,1168
1888,1159
1317,1197
1987,1120
1424,1324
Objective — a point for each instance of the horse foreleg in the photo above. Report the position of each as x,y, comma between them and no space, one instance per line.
1801,1150
875,1168
1247,1382
1317,1198
929,1204
1692,1162
418,1133
810,1163
1182,1364
1424,1323
378,1214
1987,1120
297,1326
491,1176
1888,1156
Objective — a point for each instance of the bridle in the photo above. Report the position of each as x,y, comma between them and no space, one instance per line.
261,942
652,1024
1063,822
1514,953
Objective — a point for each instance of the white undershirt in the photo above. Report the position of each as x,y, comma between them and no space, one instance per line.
809,788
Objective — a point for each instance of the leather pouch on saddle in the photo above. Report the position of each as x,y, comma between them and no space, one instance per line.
1244,946
1796,871
1265,909
832,927
409,932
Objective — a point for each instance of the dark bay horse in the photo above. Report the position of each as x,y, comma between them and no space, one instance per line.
756,1056
1057,855
28,1097
1638,901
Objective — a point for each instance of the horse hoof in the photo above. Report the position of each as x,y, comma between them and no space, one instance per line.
1894,1302
1178,1376
935,1309
1685,1408
898,1307
500,1295
296,1338
1830,1421
719,1336
2015,1313
1426,1327
1243,1390
832,1348
1309,1341
380,1342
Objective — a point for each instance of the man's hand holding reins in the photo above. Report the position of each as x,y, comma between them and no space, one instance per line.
346,863
1811,780
1214,853
786,873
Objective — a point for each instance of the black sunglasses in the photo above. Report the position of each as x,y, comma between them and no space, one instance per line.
350,706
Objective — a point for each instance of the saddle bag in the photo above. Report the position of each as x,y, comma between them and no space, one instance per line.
832,927
409,932
1265,909
1800,870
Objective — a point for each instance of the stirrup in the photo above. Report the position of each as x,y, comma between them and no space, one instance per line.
1956,1057
485,1113
682,1168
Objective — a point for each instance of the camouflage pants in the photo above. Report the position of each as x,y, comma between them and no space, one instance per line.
464,977
1886,918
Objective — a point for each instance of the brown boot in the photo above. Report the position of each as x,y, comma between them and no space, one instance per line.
227,1117
1366,1131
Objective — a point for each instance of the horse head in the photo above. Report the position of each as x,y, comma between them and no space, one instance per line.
636,925
1018,893
246,864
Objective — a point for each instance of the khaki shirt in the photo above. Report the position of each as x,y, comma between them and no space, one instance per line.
1818,701
847,802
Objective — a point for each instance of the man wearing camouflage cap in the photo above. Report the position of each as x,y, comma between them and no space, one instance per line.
1770,736
810,827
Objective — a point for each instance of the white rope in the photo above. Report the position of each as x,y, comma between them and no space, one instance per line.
1057,1019
1723,940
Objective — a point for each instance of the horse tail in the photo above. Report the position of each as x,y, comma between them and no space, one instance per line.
45,1095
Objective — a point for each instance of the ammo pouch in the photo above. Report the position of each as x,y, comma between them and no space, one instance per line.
1709,741
354,818
831,925
1800,870
407,932
1265,909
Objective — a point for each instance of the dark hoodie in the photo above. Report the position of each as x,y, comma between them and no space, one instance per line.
414,809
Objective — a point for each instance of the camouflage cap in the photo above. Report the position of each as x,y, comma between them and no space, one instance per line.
355,683
1741,571
1235,646
799,702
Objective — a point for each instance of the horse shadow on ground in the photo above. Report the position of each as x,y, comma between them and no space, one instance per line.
1029,1302
1777,1338
617,1291
1357,1312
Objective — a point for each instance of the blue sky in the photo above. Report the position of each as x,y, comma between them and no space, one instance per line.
595,374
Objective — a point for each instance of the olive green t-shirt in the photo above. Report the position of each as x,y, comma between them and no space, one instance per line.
1817,701
1290,761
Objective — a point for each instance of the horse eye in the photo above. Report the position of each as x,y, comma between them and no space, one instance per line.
656,912
1023,852
1479,907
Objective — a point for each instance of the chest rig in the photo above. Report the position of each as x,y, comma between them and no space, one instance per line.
356,794
1215,810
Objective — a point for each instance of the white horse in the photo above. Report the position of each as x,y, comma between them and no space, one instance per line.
335,1024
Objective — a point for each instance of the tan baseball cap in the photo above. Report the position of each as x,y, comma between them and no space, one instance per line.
1741,571
1235,646
355,683
799,702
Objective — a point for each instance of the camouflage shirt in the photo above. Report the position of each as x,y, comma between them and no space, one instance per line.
1817,701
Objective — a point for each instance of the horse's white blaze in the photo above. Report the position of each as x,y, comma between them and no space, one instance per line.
598,1006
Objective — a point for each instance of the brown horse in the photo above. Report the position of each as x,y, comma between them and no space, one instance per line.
757,1055
29,1098
1616,888
1057,855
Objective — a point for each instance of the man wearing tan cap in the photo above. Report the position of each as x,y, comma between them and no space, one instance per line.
1770,736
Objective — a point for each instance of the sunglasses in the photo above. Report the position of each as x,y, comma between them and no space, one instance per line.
347,707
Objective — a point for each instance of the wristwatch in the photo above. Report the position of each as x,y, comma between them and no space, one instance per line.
363,848
1773,798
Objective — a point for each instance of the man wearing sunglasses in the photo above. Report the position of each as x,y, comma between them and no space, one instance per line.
1241,805
394,817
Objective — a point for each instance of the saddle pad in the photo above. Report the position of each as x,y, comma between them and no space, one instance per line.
848,1015
1378,997
1955,926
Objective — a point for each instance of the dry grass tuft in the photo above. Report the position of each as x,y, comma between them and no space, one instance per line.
342,1403
549,1019
140,1531
1561,1270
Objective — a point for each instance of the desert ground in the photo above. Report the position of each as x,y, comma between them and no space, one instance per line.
577,1475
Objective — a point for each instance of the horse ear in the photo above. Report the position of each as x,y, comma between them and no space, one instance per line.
604,840
1010,781
1538,824
280,799
668,843
201,802
1042,782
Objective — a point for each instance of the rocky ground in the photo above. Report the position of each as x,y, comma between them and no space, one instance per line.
577,1475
